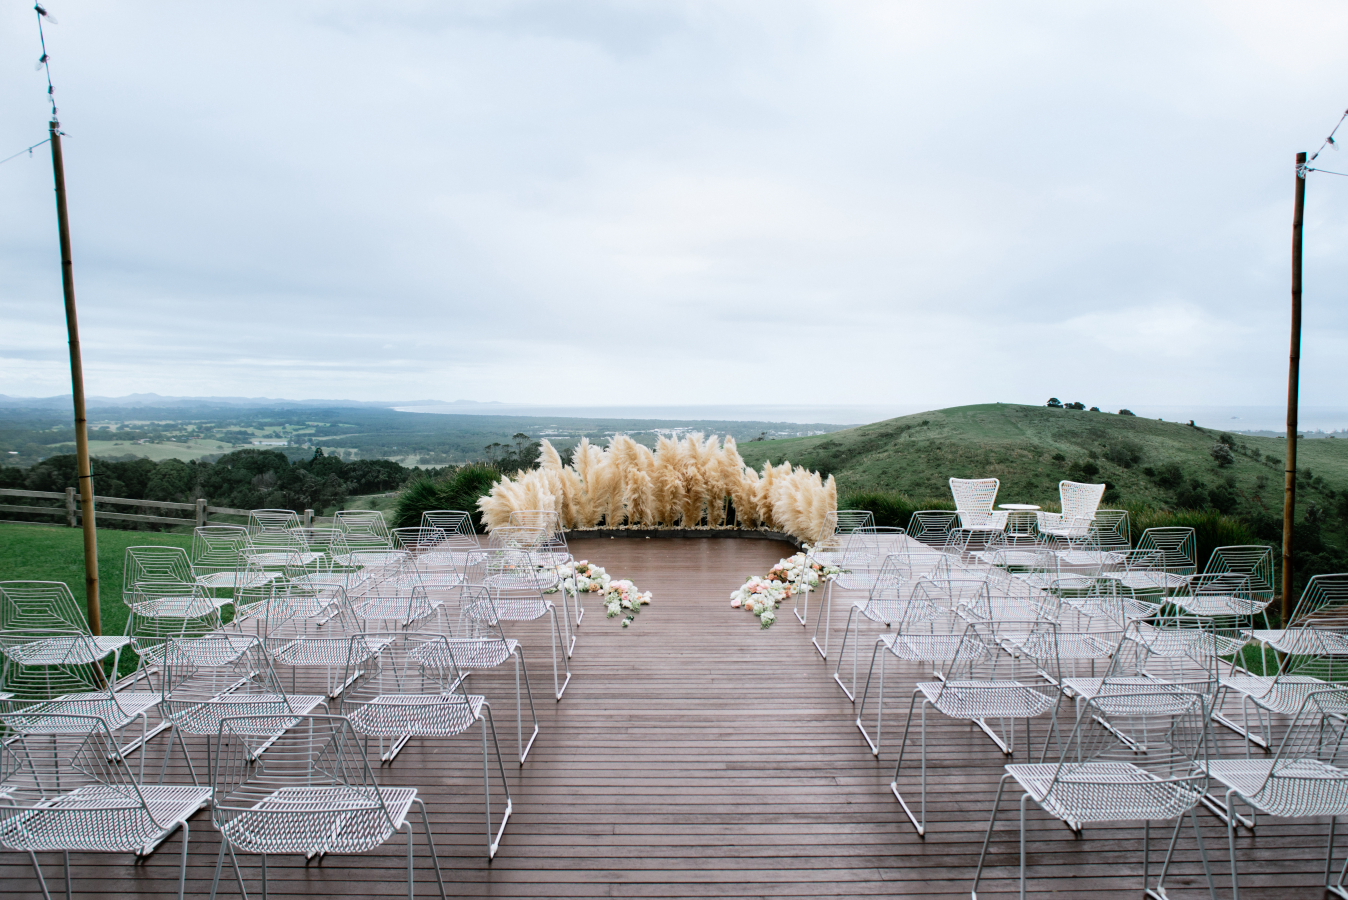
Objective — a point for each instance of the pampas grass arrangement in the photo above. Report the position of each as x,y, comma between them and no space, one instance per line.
695,482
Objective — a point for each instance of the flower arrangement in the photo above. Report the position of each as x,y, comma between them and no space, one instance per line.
621,597
763,594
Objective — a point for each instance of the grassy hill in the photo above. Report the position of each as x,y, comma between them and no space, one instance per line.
1148,464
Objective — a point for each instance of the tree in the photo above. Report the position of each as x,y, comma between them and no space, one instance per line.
1222,454
1054,403
1126,412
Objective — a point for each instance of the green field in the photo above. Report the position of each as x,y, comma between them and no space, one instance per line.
157,450
54,553
1032,448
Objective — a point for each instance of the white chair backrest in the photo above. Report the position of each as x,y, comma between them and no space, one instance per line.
974,494
1080,501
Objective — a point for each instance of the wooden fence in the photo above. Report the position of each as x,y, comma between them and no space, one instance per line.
69,508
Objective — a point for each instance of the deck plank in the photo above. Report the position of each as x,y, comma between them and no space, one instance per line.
696,755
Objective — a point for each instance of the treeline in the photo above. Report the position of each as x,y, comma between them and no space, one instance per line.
244,479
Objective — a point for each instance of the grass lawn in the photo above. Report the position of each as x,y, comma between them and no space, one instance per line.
56,553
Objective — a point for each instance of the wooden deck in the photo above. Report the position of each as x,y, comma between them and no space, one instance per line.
697,756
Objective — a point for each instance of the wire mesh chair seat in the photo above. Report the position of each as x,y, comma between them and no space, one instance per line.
1308,777
416,690
209,679
1100,777
394,604
77,794
341,658
312,795
982,683
1111,601
1219,596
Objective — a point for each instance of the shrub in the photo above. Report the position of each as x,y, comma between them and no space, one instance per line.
1124,453
1127,412
1054,403
1170,476
891,508
1221,452
461,489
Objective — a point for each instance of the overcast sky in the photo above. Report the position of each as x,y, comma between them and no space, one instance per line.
653,202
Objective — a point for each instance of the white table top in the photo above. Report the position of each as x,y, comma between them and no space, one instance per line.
1017,506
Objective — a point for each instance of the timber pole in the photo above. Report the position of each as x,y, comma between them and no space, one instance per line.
86,477
1289,505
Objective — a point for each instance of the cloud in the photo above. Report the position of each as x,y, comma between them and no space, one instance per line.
677,202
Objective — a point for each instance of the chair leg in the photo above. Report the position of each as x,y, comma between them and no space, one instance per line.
865,696
41,882
842,651
1024,798
920,825
825,617
493,841
802,612
566,661
182,866
430,842
987,838
519,704
65,855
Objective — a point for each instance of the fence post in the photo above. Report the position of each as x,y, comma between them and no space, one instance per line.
70,508
201,511
308,518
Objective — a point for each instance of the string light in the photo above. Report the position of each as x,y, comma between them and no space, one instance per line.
28,150
44,61
1329,141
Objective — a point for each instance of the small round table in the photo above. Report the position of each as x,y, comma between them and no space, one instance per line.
1021,518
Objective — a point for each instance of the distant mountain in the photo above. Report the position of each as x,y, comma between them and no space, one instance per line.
132,401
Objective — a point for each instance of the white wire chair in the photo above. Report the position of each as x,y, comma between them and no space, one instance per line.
1255,561
41,624
311,794
53,687
1323,605
218,560
929,634
886,604
974,498
218,676
863,557
428,562
1079,504
983,684
477,642
518,556
155,564
76,793
263,520
525,602
413,688
552,548
1307,777
460,536
1101,777
932,526
368,522
1302,661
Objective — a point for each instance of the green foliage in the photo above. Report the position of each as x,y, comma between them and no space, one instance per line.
892,508
461,489
244,479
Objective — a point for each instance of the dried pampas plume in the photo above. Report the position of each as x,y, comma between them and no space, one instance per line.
688,483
